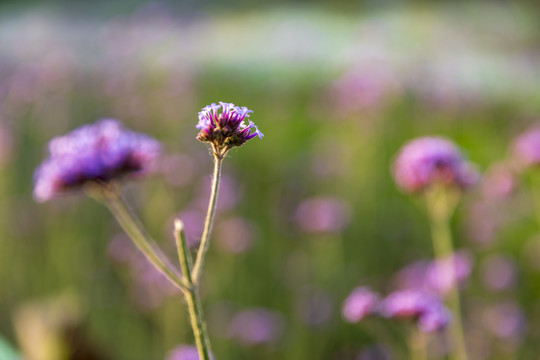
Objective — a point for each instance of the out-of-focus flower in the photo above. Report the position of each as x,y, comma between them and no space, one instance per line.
412,276
437,276
97,152
256,326
429,160
360,303
526,147
442,275
365,86
498,182
322,215
234,235
150,288
504,320
424,308
184,352
498,272
227,128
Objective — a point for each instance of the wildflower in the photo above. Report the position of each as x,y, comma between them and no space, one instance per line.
97,152
322,215
425,161
423,308
256,326
359,304
224,126
526,147
443,274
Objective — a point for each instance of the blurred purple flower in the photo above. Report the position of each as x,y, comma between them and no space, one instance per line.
436,276
193,220
498,182
227,128
498,272
97,152
322,215
424,161
504,320
184,352
526,147
256,326
229,193
360,303
442,275
151,288
234,235
424,308
412,276
365,86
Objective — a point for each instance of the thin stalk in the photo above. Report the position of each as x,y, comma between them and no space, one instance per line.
195,309
132,226
205,239
441,204
417,344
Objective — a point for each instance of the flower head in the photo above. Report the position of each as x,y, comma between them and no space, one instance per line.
225,126
425,161
97,152
424,308
359,304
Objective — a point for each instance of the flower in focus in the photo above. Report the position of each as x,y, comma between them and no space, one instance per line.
224,126
97,152
425,161
359,304
526,147
427,310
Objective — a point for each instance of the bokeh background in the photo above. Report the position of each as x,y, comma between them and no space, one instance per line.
306,214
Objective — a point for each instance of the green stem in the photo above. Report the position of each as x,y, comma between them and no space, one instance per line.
133,227
205,239
441,203
192,294
417,344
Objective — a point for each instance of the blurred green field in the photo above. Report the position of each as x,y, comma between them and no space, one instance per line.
336,94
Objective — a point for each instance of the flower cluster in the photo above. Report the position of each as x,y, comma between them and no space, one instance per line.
437,276
429,160
427,310
97,152
224,126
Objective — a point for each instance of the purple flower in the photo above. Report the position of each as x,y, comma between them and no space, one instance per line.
256,326
97,152
322,215
425,161
527,147
442,275
359,304
424,308
438,276
225,126
184,352
498,272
